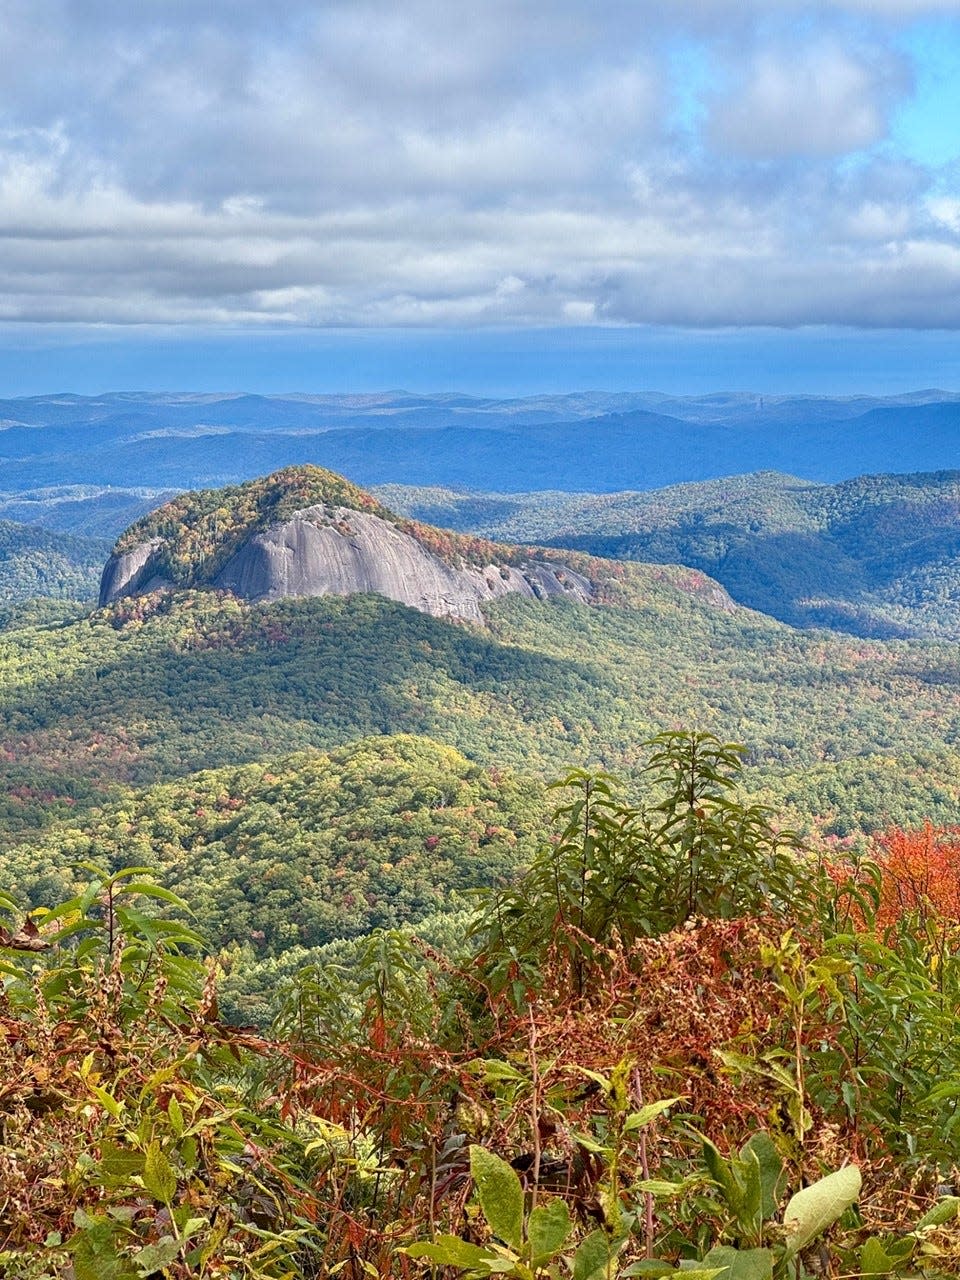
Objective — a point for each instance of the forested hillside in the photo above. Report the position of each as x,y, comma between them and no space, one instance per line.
435,1029
301,850
875,556
851,732
673,1046
37,562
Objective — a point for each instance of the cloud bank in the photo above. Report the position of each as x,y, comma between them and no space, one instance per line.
460,164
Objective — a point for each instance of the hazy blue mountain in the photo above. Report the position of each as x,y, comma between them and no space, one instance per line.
88,510
596,441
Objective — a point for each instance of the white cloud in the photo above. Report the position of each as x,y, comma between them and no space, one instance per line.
819,101
411,163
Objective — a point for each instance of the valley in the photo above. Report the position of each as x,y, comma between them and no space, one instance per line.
845,735
341,796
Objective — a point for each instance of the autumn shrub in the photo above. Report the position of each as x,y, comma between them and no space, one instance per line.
673,1042
137,1139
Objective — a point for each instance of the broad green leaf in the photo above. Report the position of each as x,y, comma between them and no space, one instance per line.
94,1252
650,1268
157,891
596,1077
639,1119
814,1208
109,1103
159,1179
761,1147
741,1264
751,1213
152,1257
590,1144
699,1273
723,1175
450,1251
874,1259
119,1162
495,1069
944,1210
501,1196
547,1229
175,1116
657,1187
593,1259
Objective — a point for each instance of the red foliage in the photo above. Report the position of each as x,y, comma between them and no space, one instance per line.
910,873
920,871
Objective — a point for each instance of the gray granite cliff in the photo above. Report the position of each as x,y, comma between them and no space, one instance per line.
326,550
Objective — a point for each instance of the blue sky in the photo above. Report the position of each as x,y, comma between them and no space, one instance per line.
500,196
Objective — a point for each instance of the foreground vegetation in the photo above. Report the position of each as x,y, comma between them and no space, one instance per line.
676,1040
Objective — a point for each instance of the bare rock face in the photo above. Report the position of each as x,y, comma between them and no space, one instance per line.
129,574
338,551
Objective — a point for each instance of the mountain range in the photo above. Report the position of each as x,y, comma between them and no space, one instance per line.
876,556
601,442
311,765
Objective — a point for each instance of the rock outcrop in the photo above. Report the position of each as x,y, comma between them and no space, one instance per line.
336,550
128,573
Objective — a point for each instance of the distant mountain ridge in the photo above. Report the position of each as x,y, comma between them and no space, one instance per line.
601,441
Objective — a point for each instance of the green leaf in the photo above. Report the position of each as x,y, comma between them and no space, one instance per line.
495,1069
944,1210
159,1179
593,1259
175,1116
450,1251
650,1268
815,1208
106,1100
547,1229
501,1196
639,1119
722,1173
152,1257
874,1259
119,1163
94,1253
596,1077
590,1144
760,1147
156,891
741,1264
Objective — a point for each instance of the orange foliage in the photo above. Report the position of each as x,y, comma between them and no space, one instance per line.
920,871
914,873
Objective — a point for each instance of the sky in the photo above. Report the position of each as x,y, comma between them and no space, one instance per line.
496,196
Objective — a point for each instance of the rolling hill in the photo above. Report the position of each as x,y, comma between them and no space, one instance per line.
876,556
38,562
308,767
